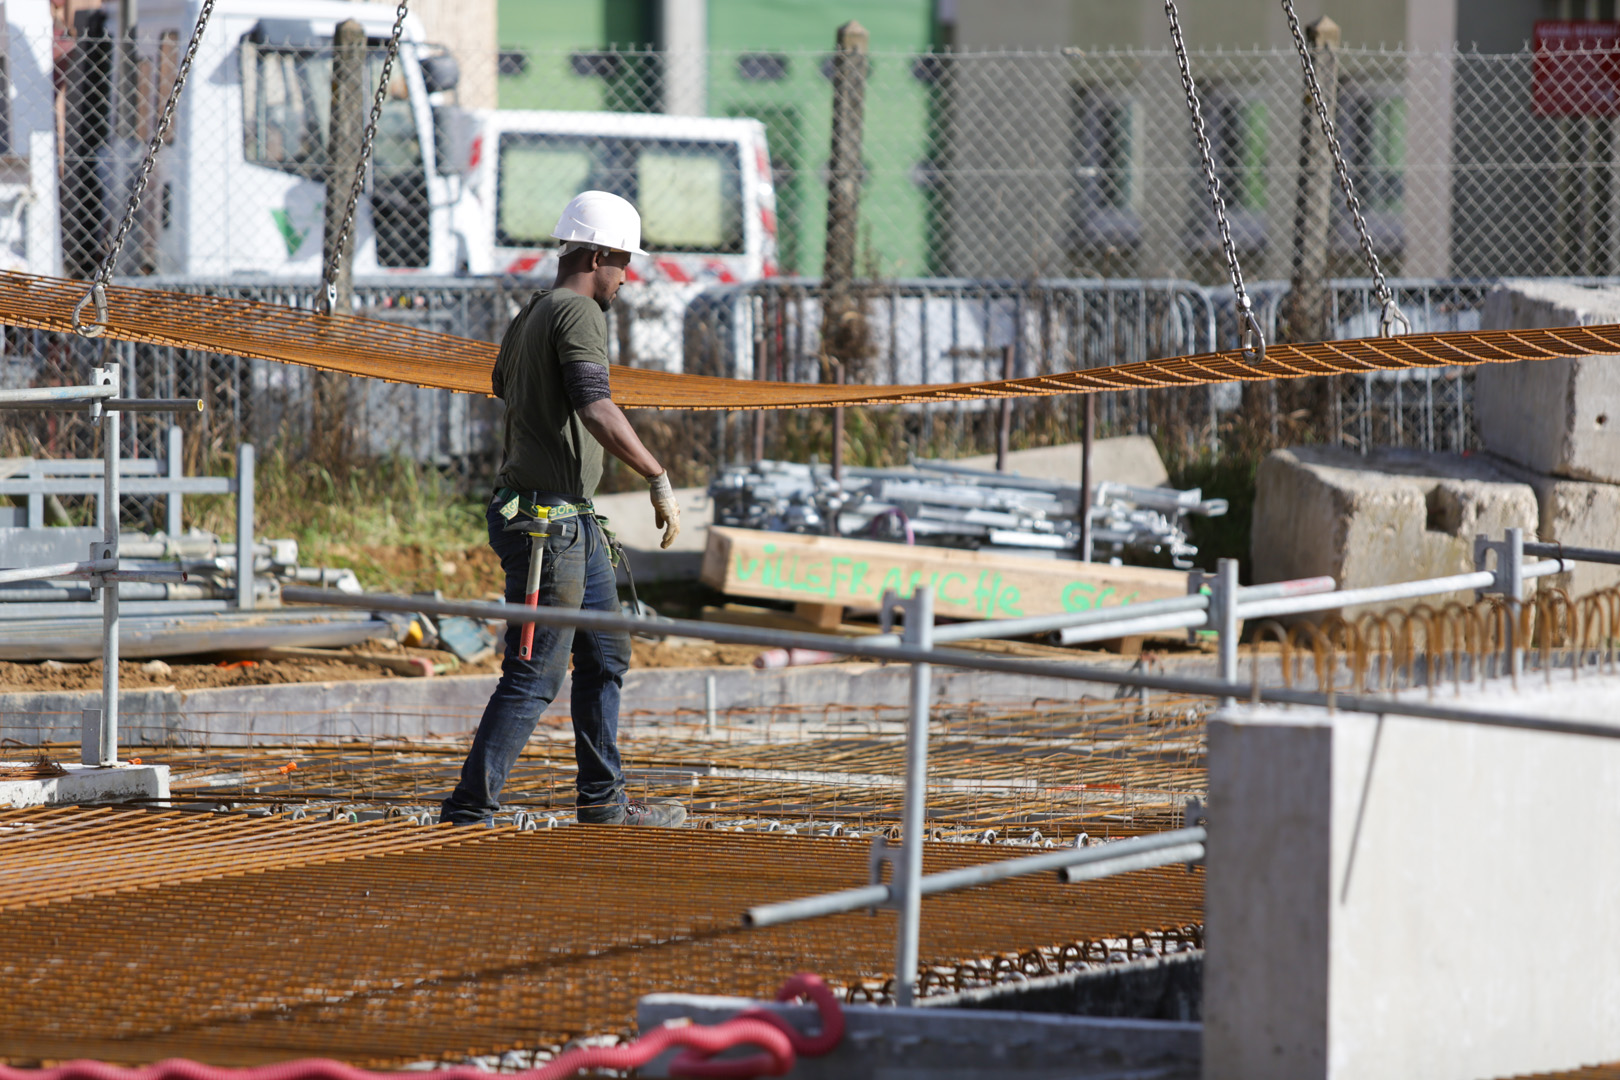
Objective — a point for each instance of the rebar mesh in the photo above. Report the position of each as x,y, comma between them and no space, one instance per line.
387,943
1034,773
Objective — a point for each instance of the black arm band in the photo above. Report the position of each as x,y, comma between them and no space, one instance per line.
585,383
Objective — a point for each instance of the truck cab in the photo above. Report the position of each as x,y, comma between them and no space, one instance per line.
240,192
702,186
29,238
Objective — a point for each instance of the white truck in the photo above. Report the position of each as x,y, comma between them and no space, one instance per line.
238,194
702,185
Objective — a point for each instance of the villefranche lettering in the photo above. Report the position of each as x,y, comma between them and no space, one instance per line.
833,577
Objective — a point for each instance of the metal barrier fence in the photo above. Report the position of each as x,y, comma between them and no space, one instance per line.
962,184
1460,167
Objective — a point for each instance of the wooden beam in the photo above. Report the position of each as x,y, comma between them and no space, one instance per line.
854,574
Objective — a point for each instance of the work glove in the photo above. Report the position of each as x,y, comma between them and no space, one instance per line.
666,511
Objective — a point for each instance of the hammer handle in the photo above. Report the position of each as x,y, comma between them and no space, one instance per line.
531,598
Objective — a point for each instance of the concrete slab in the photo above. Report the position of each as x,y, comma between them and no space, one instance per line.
87,784
1367,879
1390,515
888,1043
1560,417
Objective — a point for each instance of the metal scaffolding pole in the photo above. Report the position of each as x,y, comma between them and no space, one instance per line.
908,871
106,750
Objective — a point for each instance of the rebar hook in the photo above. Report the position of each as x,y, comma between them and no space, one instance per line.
1390,317
1254,339
98,296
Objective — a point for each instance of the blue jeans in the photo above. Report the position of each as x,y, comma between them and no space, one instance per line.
577,573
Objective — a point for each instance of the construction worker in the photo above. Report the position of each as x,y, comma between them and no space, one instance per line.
552,373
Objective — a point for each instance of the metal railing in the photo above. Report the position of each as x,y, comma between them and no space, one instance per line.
1220,609
99,740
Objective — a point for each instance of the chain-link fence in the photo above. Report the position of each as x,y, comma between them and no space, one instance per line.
1048,201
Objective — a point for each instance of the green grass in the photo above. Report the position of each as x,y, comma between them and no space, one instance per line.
335,514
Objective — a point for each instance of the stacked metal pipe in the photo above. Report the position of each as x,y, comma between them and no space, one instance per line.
947,505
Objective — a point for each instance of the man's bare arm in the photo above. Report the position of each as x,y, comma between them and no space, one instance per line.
609,426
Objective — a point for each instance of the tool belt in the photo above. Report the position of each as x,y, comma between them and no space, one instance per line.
514,504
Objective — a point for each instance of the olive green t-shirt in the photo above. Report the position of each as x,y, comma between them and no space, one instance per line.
546,448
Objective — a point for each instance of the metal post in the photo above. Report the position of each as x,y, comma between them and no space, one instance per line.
244,527
1224,614
1087,437
838,440
110,433
758,306
710,705
36,499
1510,576
173,525
1004,420
919,633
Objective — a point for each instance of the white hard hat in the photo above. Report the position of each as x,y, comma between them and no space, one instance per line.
603,219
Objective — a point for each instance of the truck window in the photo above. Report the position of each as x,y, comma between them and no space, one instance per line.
286,105
689,193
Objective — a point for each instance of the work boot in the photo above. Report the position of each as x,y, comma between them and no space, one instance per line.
661,813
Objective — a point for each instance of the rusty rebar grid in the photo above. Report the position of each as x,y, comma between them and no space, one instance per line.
132,936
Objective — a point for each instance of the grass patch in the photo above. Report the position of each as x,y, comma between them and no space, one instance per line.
399,525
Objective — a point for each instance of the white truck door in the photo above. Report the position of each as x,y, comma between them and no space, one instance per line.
30,237
268,143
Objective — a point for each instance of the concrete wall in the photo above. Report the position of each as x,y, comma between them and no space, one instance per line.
450,707
1399,898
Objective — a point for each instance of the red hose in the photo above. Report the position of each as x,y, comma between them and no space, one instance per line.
777,1039
801,985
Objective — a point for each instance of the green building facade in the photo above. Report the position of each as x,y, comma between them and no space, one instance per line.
766,59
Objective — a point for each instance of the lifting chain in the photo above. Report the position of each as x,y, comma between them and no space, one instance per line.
1254,339
357,185
1391,315
98,292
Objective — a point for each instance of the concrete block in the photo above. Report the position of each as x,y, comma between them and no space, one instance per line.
86,784
1580,513
887,1043
1554,416
1367,878
1391,515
